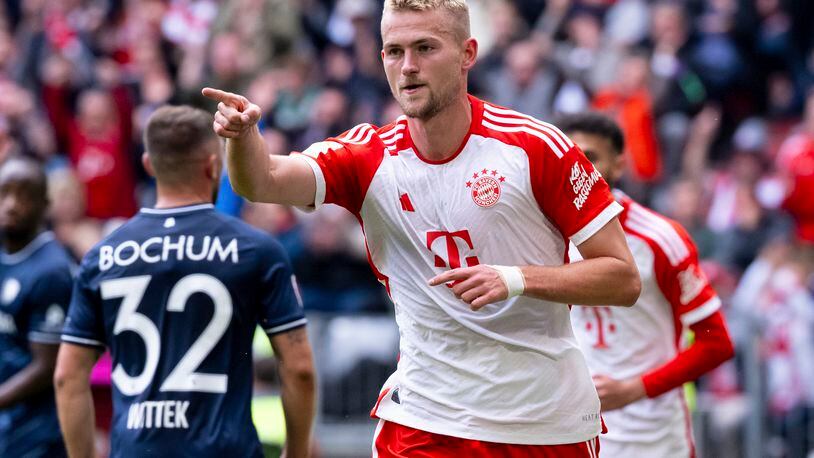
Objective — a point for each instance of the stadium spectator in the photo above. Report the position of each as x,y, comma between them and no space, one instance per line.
629,101
776,291
525,82
96,137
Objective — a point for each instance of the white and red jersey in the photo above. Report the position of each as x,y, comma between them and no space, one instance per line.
628,342
513,194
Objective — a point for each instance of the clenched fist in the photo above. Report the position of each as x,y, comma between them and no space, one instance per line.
235,116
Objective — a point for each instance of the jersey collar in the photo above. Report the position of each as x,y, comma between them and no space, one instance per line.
28,250
176,210
476,105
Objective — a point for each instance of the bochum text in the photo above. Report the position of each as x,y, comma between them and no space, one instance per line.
162,249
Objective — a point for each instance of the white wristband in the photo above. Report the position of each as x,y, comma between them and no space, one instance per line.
512,277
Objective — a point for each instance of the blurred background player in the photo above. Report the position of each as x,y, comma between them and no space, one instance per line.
35,289
488,365
175,294
635,354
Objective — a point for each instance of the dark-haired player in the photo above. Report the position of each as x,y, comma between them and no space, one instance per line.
634,353
176,294
35,289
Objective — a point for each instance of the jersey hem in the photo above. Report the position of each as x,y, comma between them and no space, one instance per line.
82,341
597,223
43,337
517,439
286,327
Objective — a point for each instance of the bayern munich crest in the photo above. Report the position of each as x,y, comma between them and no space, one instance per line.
485,187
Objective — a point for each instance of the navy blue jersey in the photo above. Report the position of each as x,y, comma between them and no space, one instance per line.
35,288
175,295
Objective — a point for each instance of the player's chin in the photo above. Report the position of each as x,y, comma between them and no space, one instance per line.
412,104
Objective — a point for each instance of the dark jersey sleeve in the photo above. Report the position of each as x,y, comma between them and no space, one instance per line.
84,325
280,302
48,305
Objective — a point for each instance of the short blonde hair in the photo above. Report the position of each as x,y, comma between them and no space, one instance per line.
457,9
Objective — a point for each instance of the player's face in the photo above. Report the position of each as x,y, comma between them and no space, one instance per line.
22,204
425,64
599,150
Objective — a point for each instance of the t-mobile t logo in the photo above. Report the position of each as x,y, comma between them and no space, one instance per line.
453,259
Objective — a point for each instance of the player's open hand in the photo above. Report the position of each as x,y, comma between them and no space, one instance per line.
477,286
235,116
615,394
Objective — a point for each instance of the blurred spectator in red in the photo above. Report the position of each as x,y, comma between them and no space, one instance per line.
796,161
630,102
97,138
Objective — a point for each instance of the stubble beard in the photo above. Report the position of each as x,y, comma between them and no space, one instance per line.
434,104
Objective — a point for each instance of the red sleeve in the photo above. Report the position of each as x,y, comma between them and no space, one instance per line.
124,107
679,276
345,165
712,347
55,101
571,192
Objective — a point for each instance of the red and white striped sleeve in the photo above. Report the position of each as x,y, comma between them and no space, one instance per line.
676,266
694,302
344,166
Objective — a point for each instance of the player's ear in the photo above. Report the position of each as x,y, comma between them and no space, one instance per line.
470,53
213,166
145,162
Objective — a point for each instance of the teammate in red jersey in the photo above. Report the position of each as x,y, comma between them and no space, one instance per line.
635,354
467,210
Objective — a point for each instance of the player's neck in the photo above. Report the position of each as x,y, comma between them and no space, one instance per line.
439,137
13,243
172,198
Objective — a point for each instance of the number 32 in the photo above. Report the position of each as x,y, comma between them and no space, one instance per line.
183,377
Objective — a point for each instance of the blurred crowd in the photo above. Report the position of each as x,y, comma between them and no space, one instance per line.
716,99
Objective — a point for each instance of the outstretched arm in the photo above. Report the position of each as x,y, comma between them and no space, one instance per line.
253,172
607,276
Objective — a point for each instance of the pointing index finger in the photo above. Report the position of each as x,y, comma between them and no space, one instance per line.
448,276
228,98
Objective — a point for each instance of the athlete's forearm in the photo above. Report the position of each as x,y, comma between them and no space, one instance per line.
299,405
249,164
76,417
712,347
33,379
597,281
